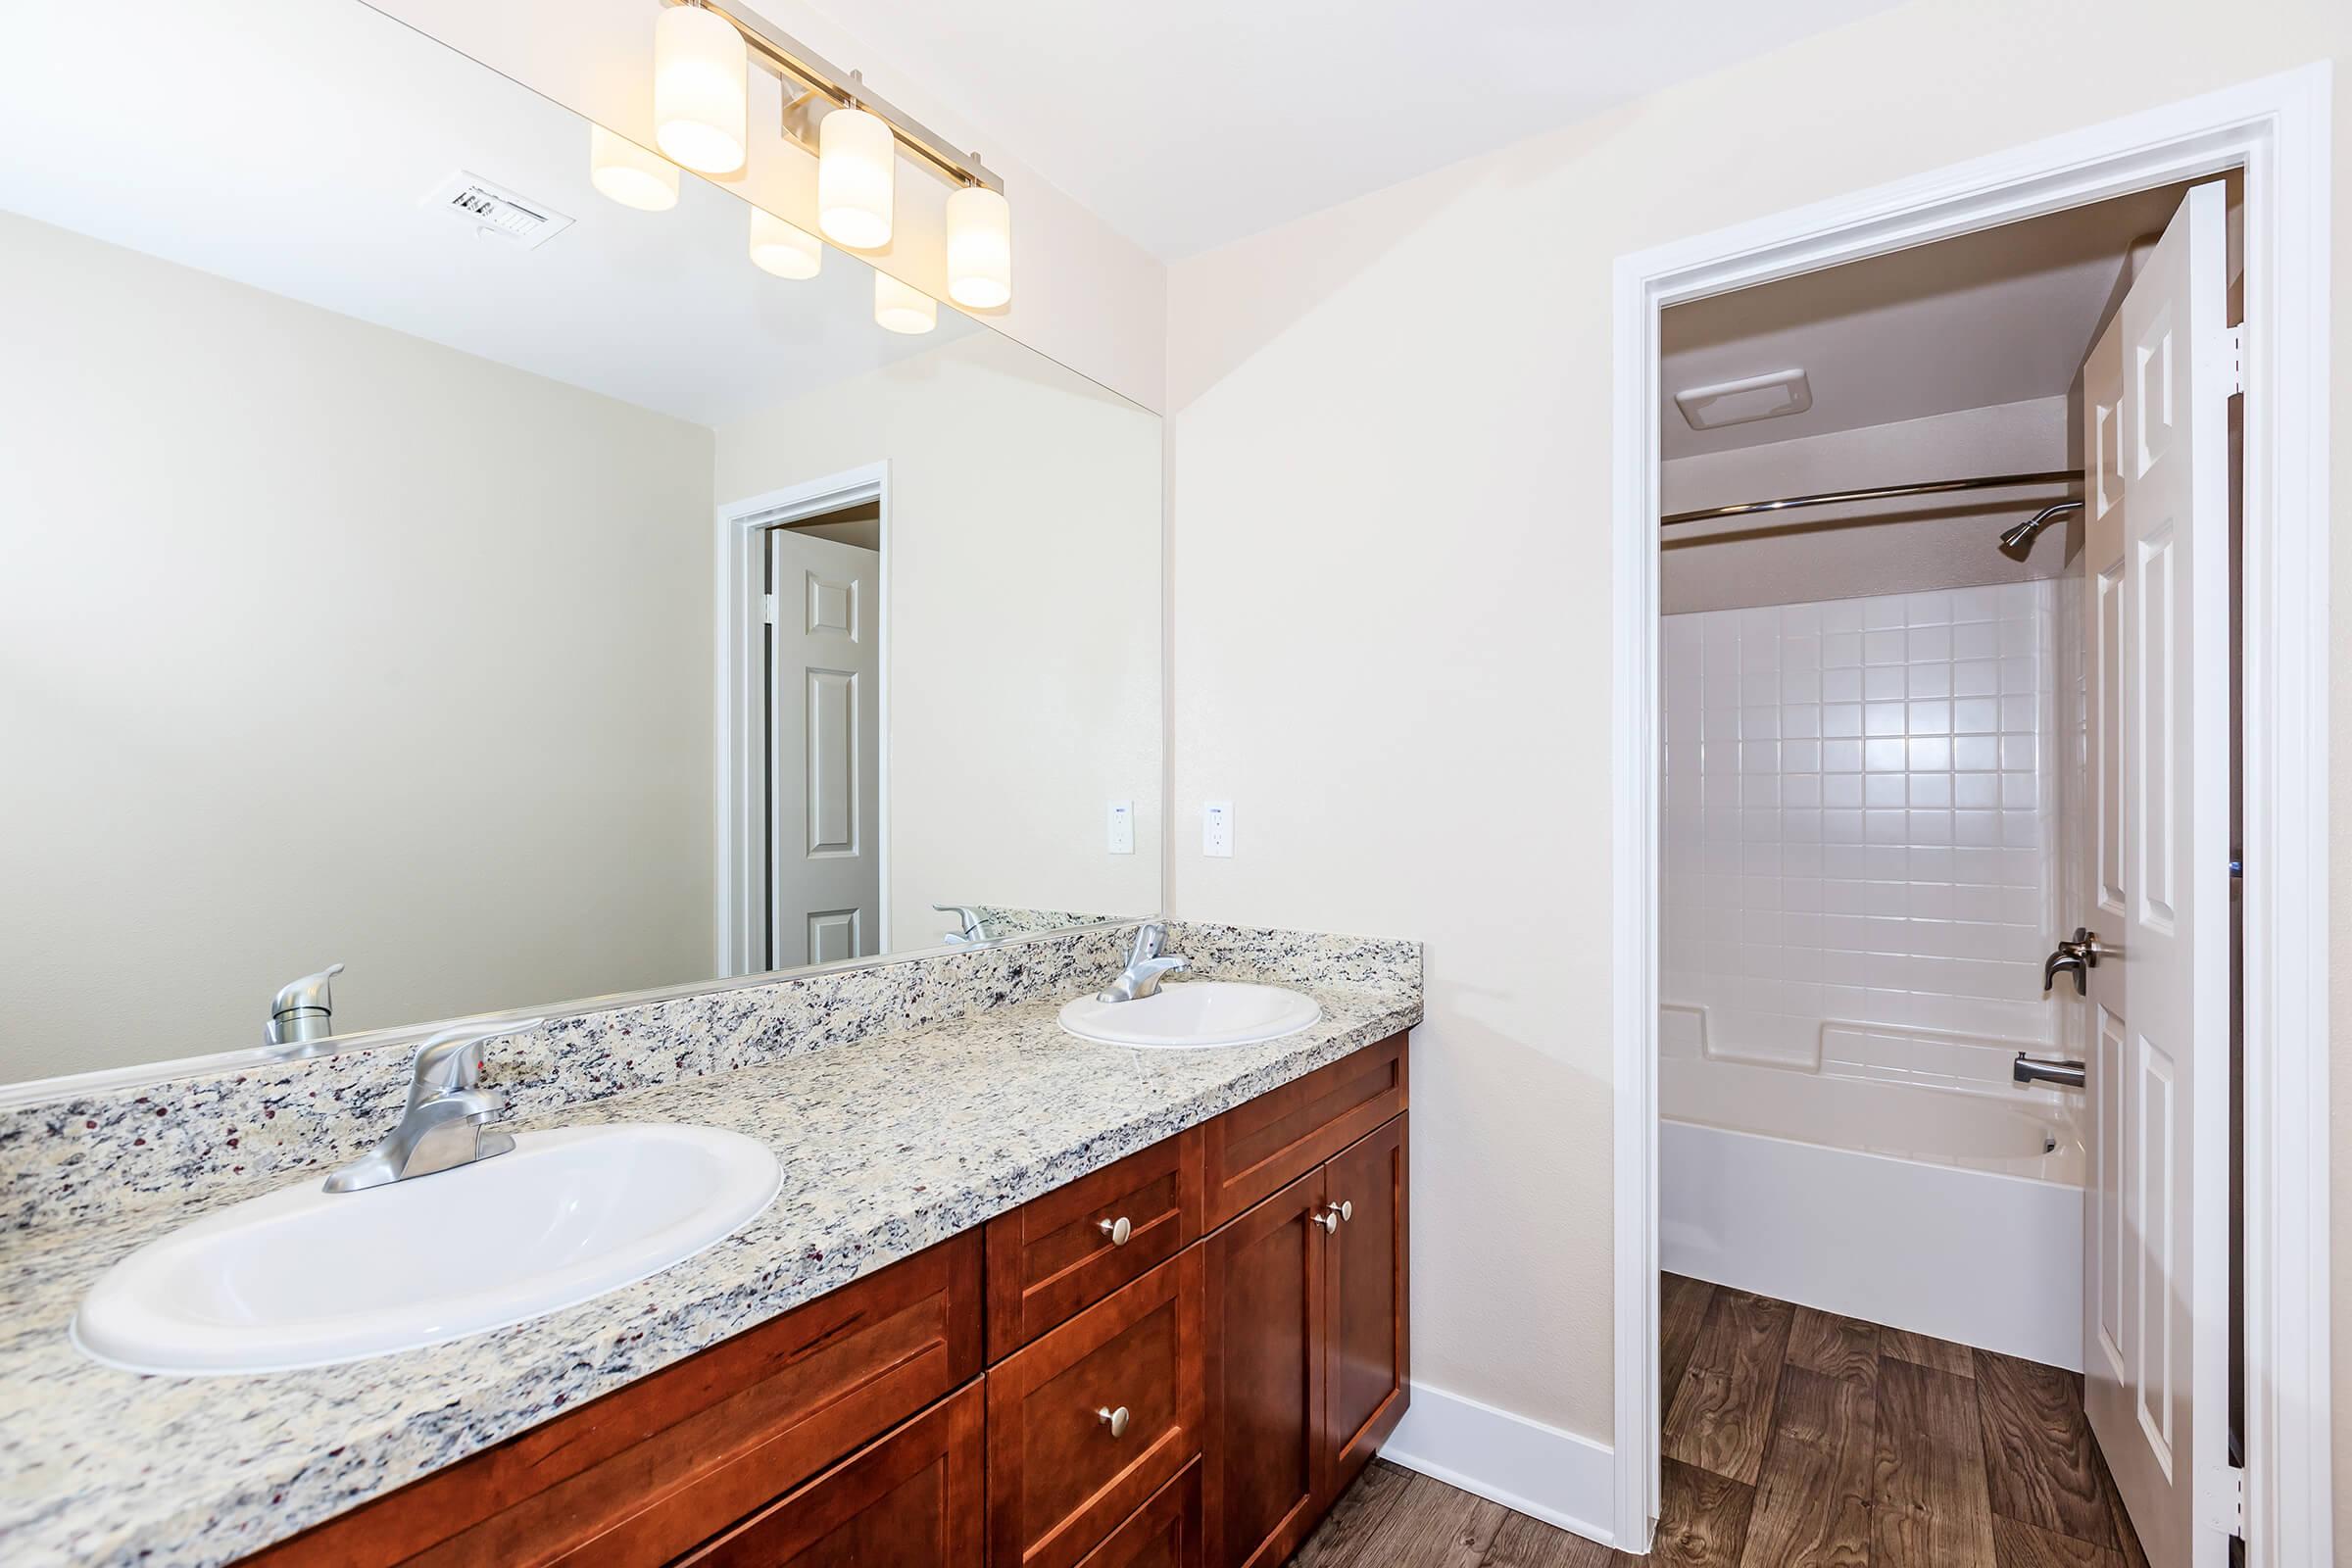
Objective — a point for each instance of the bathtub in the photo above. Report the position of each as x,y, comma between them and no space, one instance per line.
1950,1211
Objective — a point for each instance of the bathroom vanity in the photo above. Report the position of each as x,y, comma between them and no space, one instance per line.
993,1236
1181,1357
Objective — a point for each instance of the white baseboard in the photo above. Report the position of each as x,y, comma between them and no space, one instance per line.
1528,1467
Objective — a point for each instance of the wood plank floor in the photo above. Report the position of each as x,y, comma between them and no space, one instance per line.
1798,1439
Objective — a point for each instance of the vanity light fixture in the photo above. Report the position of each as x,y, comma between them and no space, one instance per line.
979,248
902,307
857,178
702,90
630,175
856,137
780,248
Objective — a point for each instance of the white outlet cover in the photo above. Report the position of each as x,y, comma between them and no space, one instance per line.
1216,828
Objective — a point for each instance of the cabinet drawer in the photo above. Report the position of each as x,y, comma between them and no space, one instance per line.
1255,1149
656,1468
1061,1475
1164,1532
910,1500
1058,1254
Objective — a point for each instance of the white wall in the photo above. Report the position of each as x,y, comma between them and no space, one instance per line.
1859,823
1024,685
1389,427
214,785
1083,294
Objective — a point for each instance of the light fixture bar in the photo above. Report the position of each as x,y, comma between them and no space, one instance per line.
814,89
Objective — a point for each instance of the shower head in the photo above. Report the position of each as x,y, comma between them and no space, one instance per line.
2018,542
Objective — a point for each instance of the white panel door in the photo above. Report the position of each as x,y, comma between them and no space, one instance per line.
823,751
2156,580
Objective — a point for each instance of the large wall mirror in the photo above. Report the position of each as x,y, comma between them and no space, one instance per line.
511,604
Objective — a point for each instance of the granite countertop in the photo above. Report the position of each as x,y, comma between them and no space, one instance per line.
888,1144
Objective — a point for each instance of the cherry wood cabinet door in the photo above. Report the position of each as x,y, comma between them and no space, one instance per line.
912,1499
1365,1303
1093,1418
1267,1479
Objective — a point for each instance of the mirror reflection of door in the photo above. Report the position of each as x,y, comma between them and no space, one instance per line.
825,677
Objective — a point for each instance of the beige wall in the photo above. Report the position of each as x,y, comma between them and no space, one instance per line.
1023,626
213,785
1831,552
1391,428
1083,294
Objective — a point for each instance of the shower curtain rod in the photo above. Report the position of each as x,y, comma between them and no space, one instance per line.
1884,492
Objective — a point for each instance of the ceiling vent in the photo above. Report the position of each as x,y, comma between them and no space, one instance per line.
494,210
1758,397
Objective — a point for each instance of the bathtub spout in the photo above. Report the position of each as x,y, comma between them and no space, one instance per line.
2046,1070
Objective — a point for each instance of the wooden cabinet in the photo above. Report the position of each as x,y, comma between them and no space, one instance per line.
656,1468
1056,1254
1188,1355
1263,1145
1308,1348
1365,1305
910,1500
1265,1368
1164,1532
1089,1421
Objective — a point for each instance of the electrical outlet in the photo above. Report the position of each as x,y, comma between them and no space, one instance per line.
1122,828
1216,828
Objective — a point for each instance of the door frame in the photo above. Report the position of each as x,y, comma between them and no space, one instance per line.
740,702
2277,129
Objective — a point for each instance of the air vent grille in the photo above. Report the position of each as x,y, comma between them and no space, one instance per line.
492,210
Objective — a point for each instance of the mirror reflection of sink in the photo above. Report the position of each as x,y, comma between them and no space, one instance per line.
301,1277
1193,1013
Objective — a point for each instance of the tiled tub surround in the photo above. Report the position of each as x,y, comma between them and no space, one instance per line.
1860,820
906,1103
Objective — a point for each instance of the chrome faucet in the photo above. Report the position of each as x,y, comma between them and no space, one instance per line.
303,1010
444,1126
1145,966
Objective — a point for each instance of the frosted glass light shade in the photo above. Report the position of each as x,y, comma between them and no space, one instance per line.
857,170
902,307
701,90
779,248
629,174
979,248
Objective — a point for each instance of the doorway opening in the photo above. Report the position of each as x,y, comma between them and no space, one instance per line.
802,873
1931,587
1922,633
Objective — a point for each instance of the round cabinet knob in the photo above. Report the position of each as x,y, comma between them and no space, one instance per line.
1347,1210
1118,1230
1116,1420
1329,1220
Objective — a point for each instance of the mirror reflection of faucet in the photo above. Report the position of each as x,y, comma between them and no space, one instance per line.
303,1012
970,926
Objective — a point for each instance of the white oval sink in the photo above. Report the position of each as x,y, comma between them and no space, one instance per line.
1199,1012
301,1277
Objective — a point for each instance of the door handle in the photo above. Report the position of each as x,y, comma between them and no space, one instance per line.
2074,956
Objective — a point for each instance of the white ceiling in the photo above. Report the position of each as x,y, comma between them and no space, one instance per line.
288,144
1186,126
1987,318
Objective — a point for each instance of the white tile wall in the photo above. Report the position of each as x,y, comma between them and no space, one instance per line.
1860,820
